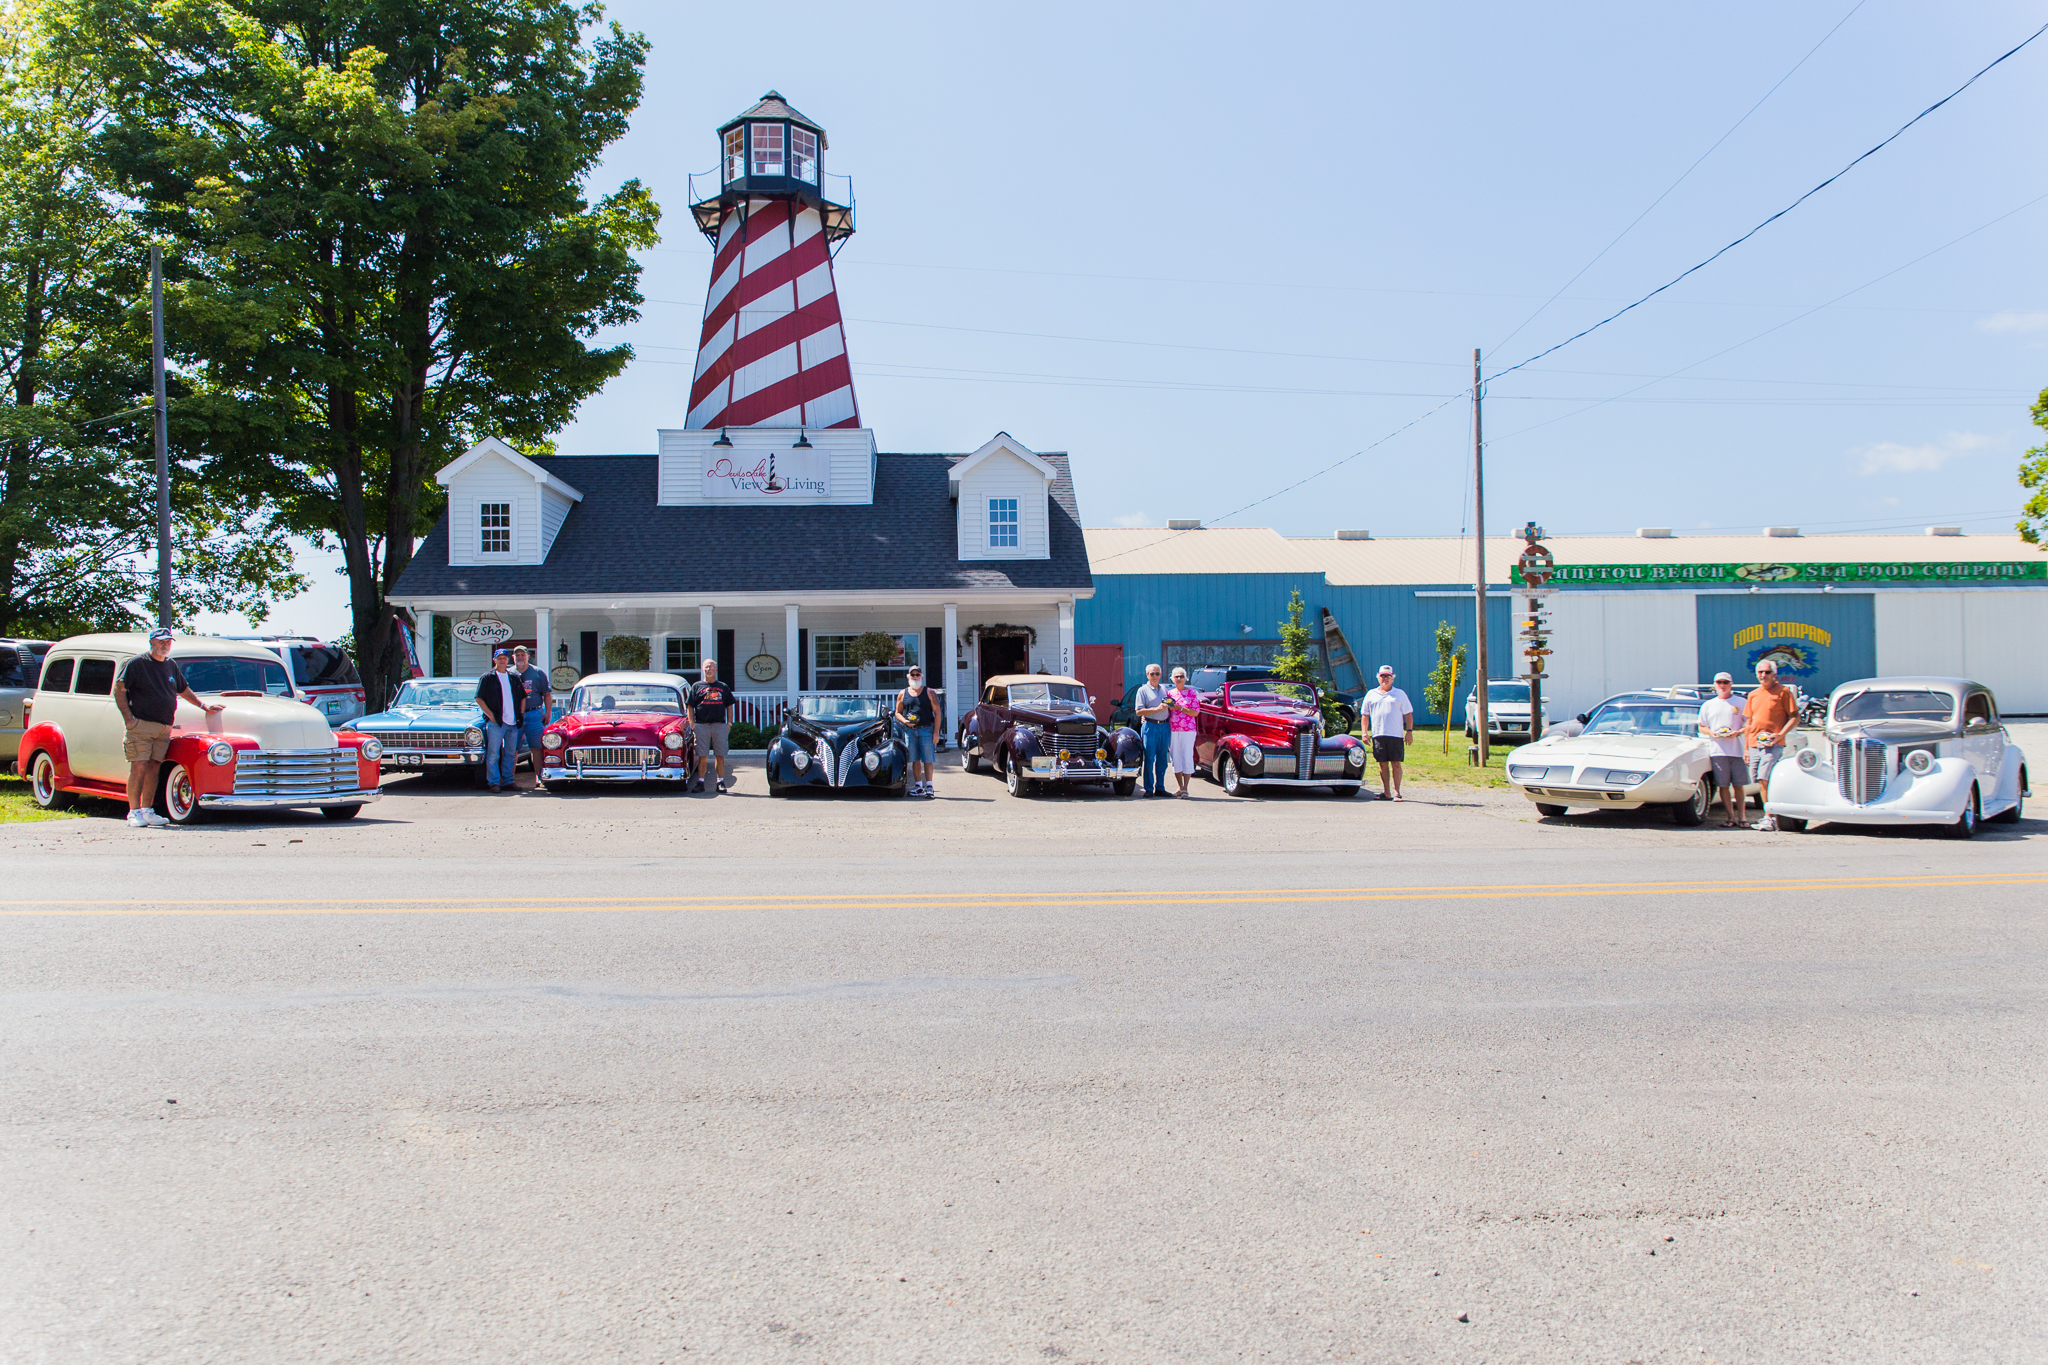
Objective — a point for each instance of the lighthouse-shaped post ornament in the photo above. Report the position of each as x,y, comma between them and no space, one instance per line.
773,351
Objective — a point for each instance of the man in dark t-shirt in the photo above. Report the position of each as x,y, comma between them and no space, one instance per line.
708,700
147,693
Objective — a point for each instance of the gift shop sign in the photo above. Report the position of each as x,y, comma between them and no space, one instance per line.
757,476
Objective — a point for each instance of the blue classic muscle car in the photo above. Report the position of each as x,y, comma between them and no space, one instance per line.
432,723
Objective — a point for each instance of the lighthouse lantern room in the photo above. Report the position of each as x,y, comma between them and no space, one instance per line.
773,349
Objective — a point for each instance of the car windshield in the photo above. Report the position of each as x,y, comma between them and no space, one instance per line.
1896,703
1048,694
435,694
1274,695
265,675
1644,718
627,697
840,710
1510,692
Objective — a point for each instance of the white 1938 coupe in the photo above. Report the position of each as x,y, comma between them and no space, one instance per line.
1637,749
1905,751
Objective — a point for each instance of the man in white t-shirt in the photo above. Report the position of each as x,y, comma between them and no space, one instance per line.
1722,720
1390,720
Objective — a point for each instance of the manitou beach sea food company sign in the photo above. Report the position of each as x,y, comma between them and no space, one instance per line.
767,476
1744,575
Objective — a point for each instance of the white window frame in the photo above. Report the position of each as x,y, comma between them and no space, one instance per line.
683,654
1005,532
803,154
764,160
735,154
487,528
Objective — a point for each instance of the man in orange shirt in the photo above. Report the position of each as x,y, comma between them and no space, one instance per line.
1771,716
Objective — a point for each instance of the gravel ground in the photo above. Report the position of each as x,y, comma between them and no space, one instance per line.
648,1077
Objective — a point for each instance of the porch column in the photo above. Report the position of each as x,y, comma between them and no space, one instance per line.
544,644
949,673
707,639
657,651
423,639
1067,638
791,664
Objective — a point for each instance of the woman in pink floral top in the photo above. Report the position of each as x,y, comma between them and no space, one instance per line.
1183,704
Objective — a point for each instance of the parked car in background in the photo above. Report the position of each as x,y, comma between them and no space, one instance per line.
1034,728
1507,711
21,663
838,741
1632,750
265,751
432,723
1905,751
1269,732
322,674
621,727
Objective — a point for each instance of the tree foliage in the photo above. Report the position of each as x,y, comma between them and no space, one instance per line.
78,490
1439,693
1299,661
387,244
2033,523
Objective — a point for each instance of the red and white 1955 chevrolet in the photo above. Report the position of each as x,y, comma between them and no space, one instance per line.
621,727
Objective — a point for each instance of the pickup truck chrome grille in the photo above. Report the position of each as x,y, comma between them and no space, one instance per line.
1861,769
295,772
614,758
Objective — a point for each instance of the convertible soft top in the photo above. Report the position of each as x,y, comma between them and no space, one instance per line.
1006,679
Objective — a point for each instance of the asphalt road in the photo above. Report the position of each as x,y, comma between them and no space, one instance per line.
643,1077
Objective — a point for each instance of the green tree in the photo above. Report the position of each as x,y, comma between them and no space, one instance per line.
388,250
77,477
1450,666
1297,660
2033,524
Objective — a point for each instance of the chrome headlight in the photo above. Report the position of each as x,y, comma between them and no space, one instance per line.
220,753
1809,759
472,738
1355,756
672,741
871,760
550,740
1919,763
800,760
1253,755
371,748
1621,778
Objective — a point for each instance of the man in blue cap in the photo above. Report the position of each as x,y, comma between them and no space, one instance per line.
498,693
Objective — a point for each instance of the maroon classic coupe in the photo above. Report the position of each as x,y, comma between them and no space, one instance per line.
1269,732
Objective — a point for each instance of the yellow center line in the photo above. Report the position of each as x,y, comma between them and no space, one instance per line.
981,899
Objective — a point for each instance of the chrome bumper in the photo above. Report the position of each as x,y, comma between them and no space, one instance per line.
676,774
427,758
1348,780
1862,815
1046,770
354,798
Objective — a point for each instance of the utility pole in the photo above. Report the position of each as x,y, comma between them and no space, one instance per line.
1482,674
163,436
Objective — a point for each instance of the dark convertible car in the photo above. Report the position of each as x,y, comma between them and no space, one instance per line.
838,742
1034,728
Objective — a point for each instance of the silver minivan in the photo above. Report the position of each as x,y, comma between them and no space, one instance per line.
323,676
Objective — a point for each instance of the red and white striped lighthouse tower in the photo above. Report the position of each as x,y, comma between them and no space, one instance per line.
773,351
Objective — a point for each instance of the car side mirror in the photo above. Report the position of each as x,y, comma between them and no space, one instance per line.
1583,719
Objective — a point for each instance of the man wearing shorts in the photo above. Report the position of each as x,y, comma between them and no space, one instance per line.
708,700
1722,723
917,715
147,692
536,699
1773,714
1390,719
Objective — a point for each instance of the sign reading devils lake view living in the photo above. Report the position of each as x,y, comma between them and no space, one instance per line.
759,476
1743,575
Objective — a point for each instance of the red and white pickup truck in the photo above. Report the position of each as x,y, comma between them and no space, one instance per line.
263,751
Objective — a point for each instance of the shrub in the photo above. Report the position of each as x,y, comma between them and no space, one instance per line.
749,736
626,653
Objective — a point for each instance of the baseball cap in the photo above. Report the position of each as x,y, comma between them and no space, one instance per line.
1386,668
160,633
502,654
1724,677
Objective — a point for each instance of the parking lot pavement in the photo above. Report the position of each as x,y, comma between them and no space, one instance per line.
646,1076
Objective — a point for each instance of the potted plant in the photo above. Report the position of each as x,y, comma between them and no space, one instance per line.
871,649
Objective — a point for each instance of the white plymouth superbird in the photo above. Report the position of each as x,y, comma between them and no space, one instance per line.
1637,749
1905,751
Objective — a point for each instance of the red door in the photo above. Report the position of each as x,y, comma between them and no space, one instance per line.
1100,669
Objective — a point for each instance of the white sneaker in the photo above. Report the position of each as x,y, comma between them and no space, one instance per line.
155,821
138,819
1769,822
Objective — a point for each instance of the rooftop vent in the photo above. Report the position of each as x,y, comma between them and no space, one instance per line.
1183,525
1360,534
1654,532
1782,532
1944,530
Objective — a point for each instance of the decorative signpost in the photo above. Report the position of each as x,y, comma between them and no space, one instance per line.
1535,567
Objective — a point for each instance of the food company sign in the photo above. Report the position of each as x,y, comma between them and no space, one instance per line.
1743,575
766,477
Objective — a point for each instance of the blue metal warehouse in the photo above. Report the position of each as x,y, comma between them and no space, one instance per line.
1632,611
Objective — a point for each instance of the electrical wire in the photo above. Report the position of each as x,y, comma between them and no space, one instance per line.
1586,332
1682,178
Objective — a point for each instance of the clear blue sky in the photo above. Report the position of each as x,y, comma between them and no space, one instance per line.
1210,251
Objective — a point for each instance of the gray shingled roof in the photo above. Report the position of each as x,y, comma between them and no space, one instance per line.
772,105
618,541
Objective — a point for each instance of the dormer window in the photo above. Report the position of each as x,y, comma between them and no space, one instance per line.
767,149
494,528
1002,523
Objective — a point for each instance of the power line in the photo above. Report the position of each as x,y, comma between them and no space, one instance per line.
1780,213
1681,179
